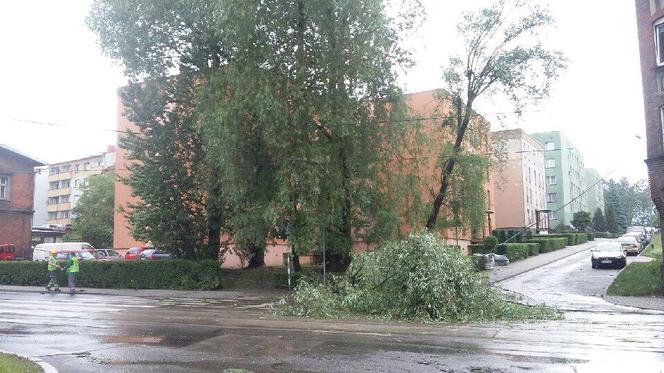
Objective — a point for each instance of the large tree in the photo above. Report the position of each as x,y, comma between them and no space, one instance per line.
503,56
299,107
599,223
93,214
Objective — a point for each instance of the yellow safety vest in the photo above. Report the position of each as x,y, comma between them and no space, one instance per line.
52,264
73,266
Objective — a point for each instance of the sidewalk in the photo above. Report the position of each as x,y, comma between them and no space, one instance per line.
514,269
238,295
651,303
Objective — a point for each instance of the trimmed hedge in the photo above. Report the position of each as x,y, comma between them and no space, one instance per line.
533,248
570,237
515,251
158,274
549,244
476,249
504,234
591,236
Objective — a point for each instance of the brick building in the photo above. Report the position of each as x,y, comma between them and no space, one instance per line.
16,199
650,26
422,105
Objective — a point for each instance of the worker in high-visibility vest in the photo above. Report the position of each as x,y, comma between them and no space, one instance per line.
53,271
72,272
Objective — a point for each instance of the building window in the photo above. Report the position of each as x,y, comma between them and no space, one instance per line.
4,187
552,197
550,163
77,167
86,166
659,42
64,199
53,185
64,183
54,171
65,168
63,214
551,180
553,215
52,200
550,146
661,121
53,215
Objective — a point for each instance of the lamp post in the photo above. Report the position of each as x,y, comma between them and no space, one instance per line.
488,218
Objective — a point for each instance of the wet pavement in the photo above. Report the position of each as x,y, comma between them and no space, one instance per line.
100,333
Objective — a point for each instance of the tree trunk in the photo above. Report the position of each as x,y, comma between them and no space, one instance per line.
446,173
258,258
339,262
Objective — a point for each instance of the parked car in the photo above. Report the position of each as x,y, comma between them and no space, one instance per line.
7,252
135,252
43,250
83,255
609,254
154,254
630,244
107,254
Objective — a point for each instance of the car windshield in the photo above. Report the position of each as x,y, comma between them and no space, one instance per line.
609,247
113,253
85,255
148,252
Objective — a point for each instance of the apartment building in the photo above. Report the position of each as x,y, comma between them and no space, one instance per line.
650,28
519,189
66,179
565,178
595,191
422,104
650,25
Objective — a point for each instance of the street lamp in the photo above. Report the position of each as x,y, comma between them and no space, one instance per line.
488,218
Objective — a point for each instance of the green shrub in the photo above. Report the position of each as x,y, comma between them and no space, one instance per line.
476,249
581,238
529,234
414,279
158,274
591,236
559,242
533,248
544,245
516,251
479,262
570,237
490,243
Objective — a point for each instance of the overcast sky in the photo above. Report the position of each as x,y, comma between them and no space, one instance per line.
52,70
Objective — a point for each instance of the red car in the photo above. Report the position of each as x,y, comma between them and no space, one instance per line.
7,252
135,252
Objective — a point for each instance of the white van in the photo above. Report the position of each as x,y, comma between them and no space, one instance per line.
43,250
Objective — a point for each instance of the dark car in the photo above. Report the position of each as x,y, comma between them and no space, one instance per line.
609,254
154,254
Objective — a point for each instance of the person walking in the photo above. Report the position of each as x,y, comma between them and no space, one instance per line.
53,271
72,272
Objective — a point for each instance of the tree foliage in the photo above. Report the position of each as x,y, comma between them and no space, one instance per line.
253,113
503,55
93,213
599,222
581,220
630,204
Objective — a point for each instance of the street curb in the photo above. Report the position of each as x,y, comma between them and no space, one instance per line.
46,367
539,266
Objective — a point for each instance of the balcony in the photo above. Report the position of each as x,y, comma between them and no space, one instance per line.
59,207
60,176
59,192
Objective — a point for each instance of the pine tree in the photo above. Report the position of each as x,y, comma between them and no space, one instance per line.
599,222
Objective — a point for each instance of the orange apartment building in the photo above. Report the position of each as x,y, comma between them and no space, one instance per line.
421,105
520,190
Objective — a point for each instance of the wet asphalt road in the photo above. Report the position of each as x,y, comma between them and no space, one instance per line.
90,333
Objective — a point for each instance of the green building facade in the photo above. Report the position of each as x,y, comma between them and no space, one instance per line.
565,178
595,194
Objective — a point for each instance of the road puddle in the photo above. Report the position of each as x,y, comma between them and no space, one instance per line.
135,339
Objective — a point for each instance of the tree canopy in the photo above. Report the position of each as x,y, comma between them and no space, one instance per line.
93,213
